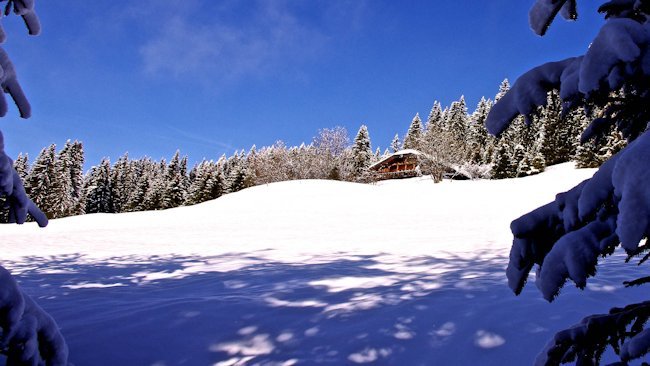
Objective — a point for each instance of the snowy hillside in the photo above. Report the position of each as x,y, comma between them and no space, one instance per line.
313,217
401,272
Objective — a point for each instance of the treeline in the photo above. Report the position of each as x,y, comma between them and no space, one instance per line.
452,140
455,140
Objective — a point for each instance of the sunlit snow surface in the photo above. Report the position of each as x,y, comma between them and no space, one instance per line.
309,272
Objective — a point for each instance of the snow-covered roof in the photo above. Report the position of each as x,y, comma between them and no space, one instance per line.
396,153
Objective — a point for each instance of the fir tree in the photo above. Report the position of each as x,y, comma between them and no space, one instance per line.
197,192
75,171
559,131
41,180
413,138
21,164
236,178
396,144
457,123
503,89
157,187
216,185
121,183
520,162
361,152
478,136
503,166
143,171
98,190
174,194
434,128
62,182
435,116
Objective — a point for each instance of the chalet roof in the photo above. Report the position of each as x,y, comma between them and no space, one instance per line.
399,153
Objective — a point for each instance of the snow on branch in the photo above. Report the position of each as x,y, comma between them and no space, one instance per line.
617,58
530,91
29,335
24,8
585,342
565,238
544,12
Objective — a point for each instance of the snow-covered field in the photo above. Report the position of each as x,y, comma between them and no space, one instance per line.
401,272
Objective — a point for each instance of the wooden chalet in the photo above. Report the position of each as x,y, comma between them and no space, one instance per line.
400,164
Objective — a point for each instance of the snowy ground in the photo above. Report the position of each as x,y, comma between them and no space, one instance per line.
308,272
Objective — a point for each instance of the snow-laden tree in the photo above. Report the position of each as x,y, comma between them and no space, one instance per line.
121,183
74,153
396,144
478,136
175,176
99,197
154,199
21,164
42,179
434,129
413,137
361,152
565,238
457,127
503,89
29,336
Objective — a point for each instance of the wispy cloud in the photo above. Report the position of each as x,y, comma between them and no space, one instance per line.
182,135
226,43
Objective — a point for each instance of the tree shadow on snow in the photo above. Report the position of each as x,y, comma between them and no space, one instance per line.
243,309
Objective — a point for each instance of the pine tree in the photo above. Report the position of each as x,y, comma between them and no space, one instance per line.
21,164
197,192
434,128
157,187
98,190
559,131
377,155
435,116
361,152
413,138
503,89
121,183
503,166
62,183
457,124
396,145
478,136
41,179
520,162
143,171
216,186
174,194
77,159
613,143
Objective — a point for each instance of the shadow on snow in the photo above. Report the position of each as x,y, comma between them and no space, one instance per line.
241,309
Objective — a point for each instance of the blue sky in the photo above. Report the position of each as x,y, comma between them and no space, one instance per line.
210,77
